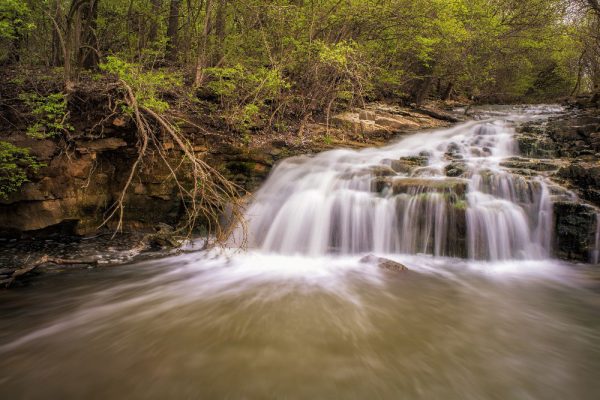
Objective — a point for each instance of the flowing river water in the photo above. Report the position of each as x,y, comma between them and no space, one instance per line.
483,311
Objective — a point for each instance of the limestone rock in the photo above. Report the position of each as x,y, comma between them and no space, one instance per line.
100,145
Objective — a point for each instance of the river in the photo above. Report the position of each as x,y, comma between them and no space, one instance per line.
483,311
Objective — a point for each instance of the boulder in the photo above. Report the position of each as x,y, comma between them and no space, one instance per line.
396,123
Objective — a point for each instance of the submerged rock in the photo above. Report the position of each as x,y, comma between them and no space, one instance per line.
384,263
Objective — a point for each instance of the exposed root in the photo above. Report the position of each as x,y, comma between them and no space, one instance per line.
210,198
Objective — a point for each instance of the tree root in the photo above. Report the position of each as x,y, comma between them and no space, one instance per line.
210,193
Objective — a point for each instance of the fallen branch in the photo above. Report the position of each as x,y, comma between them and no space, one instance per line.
28,268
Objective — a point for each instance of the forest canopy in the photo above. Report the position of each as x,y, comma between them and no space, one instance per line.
308,56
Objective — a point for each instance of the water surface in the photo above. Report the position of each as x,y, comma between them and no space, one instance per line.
263,326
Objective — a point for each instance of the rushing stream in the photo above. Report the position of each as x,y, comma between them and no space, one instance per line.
484,312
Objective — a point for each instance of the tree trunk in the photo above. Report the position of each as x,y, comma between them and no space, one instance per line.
172,30
153,33
56,45
88,53
202,47
448,91
220,22
423,90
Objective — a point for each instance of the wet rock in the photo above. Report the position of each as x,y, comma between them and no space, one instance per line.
384,263
531,164
575,228
456,169
584,177
453,150
405,165
163,238
414,186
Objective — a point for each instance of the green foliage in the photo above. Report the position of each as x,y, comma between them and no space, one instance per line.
147,85
15,164
245,94
50,113
15,19
308,58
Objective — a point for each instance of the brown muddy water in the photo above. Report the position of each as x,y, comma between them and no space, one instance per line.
255,326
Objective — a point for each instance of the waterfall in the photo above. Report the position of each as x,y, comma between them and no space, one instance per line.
442,193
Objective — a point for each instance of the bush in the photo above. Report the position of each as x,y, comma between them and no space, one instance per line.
246,94
147,85
15,165
51,115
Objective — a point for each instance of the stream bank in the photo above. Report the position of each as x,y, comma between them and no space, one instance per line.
62,206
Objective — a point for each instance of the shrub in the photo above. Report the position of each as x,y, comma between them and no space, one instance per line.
15,164
245,94
51,115
147,85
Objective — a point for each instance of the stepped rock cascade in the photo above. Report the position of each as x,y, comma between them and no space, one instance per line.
440,192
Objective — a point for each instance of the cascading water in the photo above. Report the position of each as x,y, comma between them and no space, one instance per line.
442,193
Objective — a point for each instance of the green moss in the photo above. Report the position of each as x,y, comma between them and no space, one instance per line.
461,205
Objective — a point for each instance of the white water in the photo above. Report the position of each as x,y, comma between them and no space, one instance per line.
347,202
